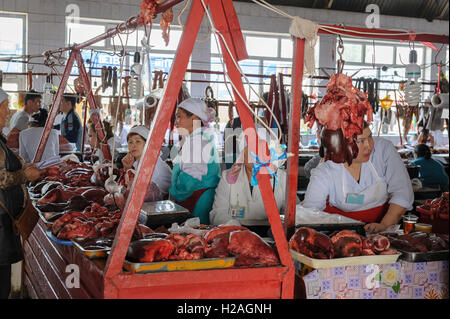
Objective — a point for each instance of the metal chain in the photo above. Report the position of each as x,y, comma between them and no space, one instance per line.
340,51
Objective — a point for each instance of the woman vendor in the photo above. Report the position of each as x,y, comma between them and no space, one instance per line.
375,188
236,199
159,186
196,170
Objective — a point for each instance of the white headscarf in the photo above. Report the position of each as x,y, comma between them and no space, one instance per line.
199,108
140,130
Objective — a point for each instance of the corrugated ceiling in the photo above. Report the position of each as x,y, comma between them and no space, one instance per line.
426,9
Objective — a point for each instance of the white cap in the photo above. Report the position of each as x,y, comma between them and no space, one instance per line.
140,130
198,107
3,96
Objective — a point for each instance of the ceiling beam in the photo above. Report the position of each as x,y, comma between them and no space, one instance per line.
424,8
441,16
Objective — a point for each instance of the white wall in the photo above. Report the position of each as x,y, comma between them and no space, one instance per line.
46,24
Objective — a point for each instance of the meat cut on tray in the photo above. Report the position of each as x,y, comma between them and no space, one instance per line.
345,243
219,242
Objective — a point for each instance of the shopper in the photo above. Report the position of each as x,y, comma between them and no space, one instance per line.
375,188
30,138
161,178
71,127
93,141
431,172
13,176
236,199
19,120
196,170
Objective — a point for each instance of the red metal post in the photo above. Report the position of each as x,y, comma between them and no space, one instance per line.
263,178
55,109
294,137
84,125
96,118
153,145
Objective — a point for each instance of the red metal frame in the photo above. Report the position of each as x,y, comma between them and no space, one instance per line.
118,284
75,55
146,167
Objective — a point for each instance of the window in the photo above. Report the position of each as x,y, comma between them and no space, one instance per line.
269,54
12,40
81,32
384,60
106,52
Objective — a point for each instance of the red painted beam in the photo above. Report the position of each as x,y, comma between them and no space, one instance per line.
219,17
385,34
96,119
55,109
294,137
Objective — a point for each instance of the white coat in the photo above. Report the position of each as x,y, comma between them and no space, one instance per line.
29,141
238,194
333,181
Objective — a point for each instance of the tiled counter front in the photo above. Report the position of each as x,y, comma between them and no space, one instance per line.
401,280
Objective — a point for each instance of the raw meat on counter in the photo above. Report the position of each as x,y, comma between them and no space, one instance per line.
312,243
344,243
219,242
438,206
420,242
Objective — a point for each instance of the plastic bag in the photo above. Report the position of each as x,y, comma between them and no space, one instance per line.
187,228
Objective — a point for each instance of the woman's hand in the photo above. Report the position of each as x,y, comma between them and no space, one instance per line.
128,161
32,173
375,227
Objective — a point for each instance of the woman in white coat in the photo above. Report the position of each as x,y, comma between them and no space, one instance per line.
29,138
375,188
236,199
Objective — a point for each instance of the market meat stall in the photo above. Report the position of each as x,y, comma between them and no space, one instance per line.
68,271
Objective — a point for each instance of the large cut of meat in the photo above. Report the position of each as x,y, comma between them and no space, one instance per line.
190,247
251,248
216,231
341,109
419,242
150,250
312,243
347,243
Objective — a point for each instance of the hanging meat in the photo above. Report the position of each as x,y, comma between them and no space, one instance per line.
166,20
341,111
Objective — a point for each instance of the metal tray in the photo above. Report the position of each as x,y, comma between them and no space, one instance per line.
55,239
416,257
90,253
47,217
177,265
163,213
346,261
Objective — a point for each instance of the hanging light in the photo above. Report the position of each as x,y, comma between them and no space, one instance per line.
412,85
386,103
135,86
